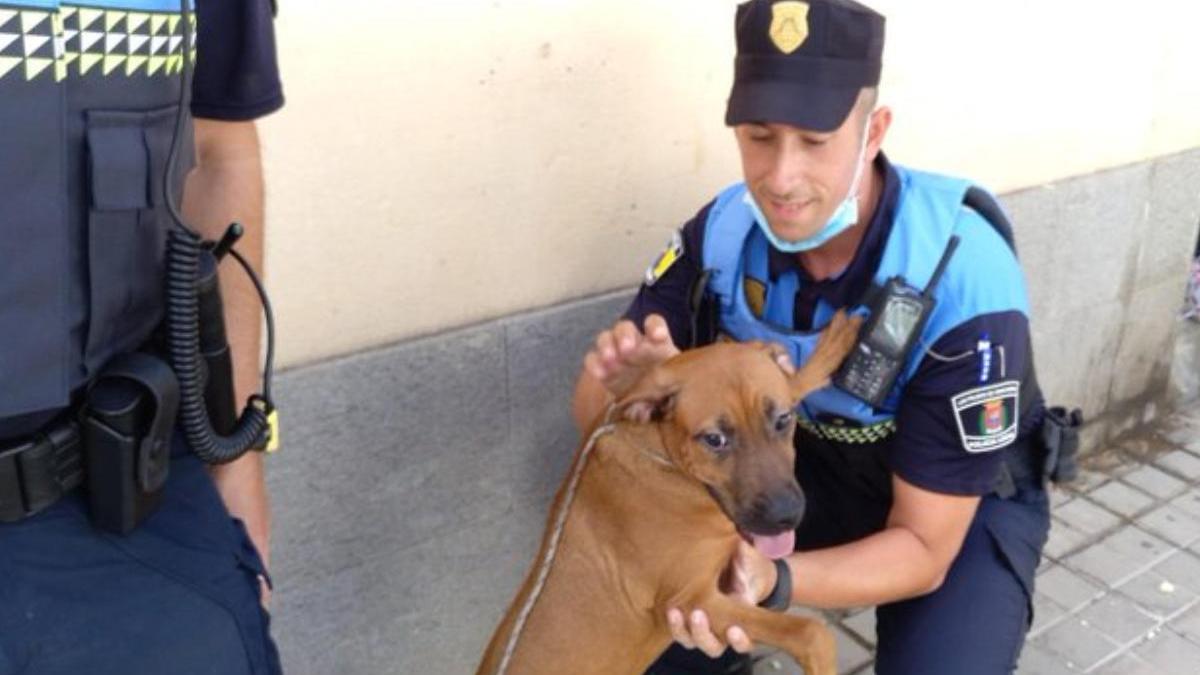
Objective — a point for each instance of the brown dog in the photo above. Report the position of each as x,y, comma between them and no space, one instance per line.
650,514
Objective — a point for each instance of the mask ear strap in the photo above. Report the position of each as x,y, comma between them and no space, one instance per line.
862,154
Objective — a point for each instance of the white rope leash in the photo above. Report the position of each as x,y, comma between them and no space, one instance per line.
559,524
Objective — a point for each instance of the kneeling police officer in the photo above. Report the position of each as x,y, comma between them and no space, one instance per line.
924,465
120,552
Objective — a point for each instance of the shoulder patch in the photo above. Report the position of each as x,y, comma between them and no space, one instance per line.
987,416
665,260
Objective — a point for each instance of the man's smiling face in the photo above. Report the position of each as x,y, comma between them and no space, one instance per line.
799,177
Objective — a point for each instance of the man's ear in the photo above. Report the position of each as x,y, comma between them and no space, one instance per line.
650,400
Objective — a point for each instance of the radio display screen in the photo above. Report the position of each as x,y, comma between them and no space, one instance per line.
900,316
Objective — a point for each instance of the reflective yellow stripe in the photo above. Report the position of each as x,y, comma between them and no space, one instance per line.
72,41
854,435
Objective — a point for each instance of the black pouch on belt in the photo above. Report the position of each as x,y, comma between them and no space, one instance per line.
127,421
1060,440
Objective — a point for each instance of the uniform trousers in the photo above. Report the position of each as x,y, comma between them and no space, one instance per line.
179,595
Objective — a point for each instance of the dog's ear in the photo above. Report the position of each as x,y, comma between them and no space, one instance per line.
835,343
780,355
651,399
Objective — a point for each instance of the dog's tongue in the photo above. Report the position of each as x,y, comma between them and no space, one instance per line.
776,546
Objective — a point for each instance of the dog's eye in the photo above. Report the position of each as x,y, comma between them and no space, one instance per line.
784,421
715,440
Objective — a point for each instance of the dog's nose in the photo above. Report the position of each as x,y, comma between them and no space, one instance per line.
783,510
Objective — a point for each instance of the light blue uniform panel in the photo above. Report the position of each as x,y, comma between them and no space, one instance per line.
929,212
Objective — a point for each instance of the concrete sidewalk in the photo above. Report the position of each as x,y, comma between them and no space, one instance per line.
1118,591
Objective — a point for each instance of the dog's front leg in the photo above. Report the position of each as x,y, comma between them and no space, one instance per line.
808,641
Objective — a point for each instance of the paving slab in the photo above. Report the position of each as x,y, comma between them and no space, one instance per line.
1087,480
1087,517
1068,588
1187,624
1122,499
1118,618
1181,463
1119,556
1183,436
1046,613
1155,482
862,624
1189,502
1125,664
1082,646
1170,654
1173,524
851,655
1064,539
1112,462
1181,569
1158,595
776,663
1037,660
1059,496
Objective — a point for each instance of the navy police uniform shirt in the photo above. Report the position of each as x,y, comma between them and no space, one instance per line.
236,79
928,448
237,76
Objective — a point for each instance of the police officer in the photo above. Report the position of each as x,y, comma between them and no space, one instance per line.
929,504
89,104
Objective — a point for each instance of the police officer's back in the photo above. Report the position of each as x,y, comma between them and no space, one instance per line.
94,153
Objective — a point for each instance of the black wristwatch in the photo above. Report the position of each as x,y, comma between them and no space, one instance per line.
781,596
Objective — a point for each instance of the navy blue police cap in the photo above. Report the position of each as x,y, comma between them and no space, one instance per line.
803,63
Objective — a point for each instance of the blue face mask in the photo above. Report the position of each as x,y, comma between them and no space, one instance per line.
845,217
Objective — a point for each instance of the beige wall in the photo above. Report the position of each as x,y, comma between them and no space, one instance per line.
440,163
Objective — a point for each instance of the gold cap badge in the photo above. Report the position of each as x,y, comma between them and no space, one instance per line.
789,25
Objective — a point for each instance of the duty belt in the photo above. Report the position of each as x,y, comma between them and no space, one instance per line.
35,473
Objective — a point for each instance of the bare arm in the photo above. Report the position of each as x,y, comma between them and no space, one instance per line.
227,186
910,557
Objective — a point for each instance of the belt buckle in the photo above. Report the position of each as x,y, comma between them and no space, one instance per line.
28,478
12,496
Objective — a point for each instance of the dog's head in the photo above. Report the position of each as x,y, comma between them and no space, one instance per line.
726,414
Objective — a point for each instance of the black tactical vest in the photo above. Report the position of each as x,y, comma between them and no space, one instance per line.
89,96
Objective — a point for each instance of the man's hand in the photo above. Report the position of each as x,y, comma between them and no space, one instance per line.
623,353
620,356
749,578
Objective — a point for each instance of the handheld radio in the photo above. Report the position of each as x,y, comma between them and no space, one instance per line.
898,316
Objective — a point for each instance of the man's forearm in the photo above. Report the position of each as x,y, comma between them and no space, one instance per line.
884,567
225,187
